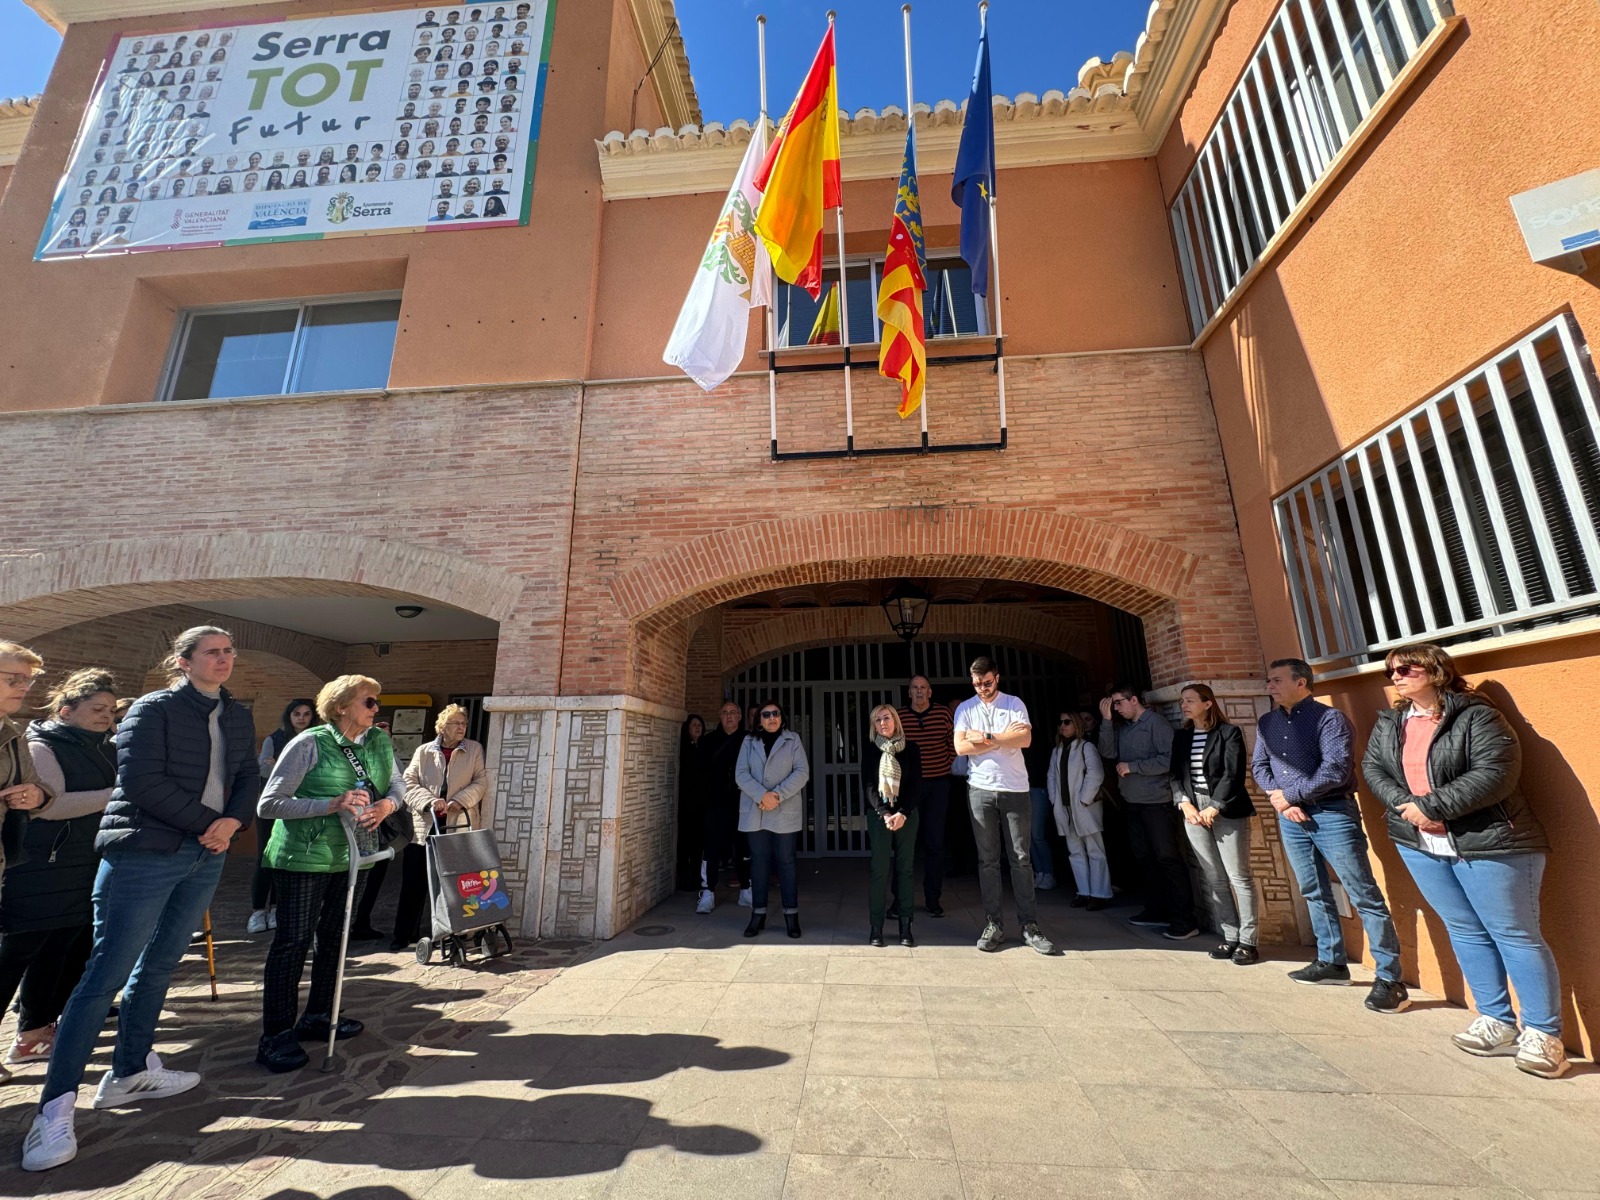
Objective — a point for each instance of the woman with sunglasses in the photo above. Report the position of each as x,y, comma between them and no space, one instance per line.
1446,764
890,780
772,774
186,784
1073,781
344,765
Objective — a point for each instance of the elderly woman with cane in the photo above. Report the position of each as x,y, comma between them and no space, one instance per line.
889,780
345,765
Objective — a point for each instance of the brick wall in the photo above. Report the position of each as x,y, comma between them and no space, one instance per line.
437,668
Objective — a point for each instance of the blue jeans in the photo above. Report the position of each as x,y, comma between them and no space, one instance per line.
147,906
1334,837
769,850
1491,908
1043,819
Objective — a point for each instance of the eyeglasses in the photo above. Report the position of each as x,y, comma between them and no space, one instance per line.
20,679
981,685
371,702
1065,721
1403,671
769,713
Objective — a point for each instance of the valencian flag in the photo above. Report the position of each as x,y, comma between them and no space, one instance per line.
707,343
800,177
973,181
825,329
903,348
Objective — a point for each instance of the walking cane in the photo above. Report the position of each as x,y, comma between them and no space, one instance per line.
211,954
357,862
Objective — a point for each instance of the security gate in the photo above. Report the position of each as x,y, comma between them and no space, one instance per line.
828,693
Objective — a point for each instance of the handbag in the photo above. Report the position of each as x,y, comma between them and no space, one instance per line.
391,828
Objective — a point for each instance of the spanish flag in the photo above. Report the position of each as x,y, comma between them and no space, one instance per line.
903,347
825,329
799,180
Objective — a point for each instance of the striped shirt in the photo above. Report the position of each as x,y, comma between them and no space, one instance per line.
1197,766
934,733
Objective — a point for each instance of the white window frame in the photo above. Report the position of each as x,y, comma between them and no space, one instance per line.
301,305
1335,603
1296,70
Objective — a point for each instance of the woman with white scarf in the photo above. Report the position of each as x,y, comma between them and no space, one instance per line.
890,778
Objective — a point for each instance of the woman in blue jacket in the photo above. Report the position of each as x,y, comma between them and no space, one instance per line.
187,781
772,774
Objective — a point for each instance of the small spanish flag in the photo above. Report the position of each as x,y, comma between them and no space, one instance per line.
825,332
903,347
799,180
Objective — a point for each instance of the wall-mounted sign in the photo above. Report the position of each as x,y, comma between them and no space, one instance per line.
1561,220
420,119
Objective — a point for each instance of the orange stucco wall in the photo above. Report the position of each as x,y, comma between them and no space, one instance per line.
1407,273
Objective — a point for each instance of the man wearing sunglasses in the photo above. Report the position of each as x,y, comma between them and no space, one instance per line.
1305,761
992,729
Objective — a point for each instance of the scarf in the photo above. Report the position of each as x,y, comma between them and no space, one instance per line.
889,766
769,739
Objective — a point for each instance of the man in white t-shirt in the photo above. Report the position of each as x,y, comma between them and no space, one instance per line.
992,729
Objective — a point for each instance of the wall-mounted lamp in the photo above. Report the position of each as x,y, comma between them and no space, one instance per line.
408,610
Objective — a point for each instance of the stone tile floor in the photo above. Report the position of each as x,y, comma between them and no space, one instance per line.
687,1061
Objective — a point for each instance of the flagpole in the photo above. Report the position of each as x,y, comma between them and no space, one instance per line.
994,259
844,294
911,123
772,290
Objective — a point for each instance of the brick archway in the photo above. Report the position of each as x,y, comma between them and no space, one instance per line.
1134,572
45,590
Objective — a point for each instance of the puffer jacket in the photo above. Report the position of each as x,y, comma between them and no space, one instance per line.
163,758
1474,766
784,771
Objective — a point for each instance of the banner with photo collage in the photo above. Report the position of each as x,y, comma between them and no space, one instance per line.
294,130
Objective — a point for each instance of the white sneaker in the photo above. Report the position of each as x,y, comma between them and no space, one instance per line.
1487,1037
51,1141
707,901
744,898
257,922
272,918
1540,1054
155,1082
1045,882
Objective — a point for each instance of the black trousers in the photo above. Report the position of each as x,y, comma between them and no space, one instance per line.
413,900
1153,833
310,908
367,898
892,852
719,825
261,882
48,964
933,805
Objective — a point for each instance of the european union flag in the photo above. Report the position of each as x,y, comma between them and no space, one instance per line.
973,183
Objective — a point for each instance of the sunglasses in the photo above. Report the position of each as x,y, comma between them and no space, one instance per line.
768,714
1403,671
371,702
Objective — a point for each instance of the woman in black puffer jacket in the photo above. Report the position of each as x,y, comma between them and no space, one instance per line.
1446,764
46,906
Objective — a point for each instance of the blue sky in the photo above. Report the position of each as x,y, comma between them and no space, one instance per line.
1036,45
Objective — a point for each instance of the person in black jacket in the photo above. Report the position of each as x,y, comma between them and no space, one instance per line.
1208,763
1446,763
691,801
891,772
45,900
719,835
187,781
299,715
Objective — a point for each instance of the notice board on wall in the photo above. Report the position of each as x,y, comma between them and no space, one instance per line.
418,119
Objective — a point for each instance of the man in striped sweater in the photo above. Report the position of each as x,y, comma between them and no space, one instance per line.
931,727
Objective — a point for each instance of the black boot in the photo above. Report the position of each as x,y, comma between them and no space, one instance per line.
905,933
758,922
875,938
792,920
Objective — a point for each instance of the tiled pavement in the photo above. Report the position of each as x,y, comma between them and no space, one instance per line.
695,1063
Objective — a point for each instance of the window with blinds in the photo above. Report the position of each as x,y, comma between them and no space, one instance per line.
1312,81
1473,515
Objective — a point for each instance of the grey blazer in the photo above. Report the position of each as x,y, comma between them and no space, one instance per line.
784,771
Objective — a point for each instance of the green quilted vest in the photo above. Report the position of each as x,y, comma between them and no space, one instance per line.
317,844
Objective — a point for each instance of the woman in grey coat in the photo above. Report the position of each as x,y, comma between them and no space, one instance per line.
772,775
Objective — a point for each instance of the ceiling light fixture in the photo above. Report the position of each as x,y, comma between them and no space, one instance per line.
407,611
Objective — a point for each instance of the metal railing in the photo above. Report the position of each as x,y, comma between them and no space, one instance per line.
1311,82
1472,515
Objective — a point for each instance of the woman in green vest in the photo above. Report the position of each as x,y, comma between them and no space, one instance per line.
346,765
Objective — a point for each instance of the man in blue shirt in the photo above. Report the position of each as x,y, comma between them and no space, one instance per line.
1305,761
